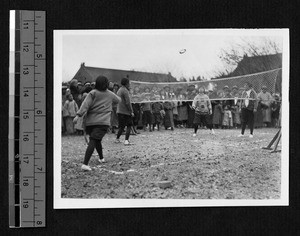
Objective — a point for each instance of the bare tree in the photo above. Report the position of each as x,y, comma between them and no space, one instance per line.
235,53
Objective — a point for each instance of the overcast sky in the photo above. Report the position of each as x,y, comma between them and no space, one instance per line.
147,51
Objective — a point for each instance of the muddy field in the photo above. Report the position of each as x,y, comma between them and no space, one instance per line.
220,166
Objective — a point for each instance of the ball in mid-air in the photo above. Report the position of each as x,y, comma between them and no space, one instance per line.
182,51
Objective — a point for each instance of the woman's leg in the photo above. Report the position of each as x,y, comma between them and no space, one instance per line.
98,147
121,128
195,128
121,125
206,122
128,129
89,151
245,120
251,121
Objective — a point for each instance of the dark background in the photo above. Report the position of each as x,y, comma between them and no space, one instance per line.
99,14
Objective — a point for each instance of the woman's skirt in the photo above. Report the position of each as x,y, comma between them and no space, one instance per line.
169,120
182,113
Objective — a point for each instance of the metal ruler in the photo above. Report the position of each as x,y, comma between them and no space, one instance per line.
27,169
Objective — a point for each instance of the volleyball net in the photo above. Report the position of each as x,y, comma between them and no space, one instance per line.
216,89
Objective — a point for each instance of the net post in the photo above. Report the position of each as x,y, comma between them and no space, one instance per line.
272,141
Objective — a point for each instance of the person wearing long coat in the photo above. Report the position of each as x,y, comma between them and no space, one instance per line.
182,110
175,113
218,114
265,100
79,125
168,119
70,109
236,115
191,112
275,107
258,117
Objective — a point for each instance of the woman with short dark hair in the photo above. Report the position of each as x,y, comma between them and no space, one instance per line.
124,111
97,106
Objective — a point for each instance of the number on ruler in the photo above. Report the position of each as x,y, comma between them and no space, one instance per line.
25,204
25,25
25,137
26,48
26,159
39,112
25,182
26,93
25,114
25,71
39,222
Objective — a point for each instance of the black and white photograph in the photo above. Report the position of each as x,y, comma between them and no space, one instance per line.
171,118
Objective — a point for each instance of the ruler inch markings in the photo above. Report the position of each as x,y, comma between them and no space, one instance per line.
32,130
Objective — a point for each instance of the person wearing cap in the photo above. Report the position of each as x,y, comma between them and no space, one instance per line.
265,99
248,108
87,87
79,86
225,88
167,92
96,108
227,94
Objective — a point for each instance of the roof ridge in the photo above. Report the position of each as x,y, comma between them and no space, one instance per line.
135,71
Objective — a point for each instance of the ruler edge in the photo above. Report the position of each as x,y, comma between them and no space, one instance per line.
11,133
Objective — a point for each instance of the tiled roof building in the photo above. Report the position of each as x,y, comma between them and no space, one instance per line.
89,74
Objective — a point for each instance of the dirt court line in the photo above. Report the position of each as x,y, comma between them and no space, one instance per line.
162,164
